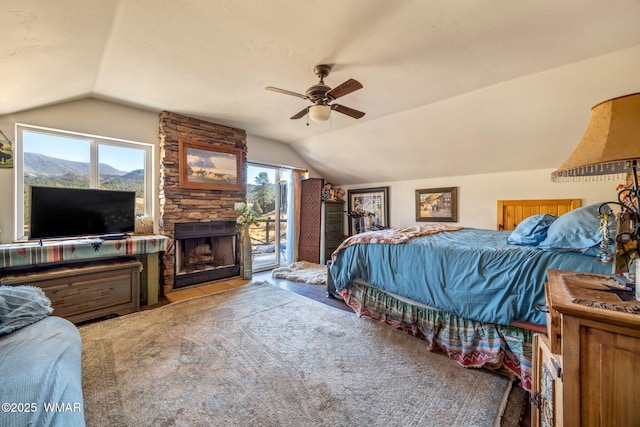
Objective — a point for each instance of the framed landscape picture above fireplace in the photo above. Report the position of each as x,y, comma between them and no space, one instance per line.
210,167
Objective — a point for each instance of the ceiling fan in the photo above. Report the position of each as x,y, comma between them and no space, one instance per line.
322,96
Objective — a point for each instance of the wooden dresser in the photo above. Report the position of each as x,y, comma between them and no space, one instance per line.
332,228
587,371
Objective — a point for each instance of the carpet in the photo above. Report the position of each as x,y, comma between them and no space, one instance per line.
302,271
262,356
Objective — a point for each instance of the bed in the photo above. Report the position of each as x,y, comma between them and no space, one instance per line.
40,362
473,294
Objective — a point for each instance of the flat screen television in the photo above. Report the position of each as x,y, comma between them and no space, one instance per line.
57,212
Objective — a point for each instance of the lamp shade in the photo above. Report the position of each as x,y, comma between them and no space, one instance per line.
319,113
611,139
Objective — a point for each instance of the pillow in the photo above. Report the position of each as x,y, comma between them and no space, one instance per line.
577,230
532,230
21,306
592,251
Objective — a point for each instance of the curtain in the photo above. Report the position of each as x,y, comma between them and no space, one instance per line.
293,213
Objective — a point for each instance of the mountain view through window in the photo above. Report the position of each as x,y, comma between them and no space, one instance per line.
52,159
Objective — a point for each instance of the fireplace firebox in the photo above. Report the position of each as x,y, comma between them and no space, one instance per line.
205,251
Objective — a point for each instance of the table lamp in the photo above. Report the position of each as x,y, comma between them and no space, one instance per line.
611,145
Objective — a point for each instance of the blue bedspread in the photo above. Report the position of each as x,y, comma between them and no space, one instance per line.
41,375
471,272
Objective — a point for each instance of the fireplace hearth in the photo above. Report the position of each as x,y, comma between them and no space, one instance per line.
205,251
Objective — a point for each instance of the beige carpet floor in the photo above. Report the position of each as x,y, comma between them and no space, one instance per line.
262,356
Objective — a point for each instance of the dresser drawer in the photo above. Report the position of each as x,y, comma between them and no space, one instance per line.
333,228
78,298
87,291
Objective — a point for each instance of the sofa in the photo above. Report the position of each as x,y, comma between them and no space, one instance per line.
40,362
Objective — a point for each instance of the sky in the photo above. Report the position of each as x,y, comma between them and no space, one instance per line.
253,171
77,150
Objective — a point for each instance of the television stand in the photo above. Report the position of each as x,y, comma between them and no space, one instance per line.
33,255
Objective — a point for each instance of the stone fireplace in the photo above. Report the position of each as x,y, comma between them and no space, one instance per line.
199,223
205,251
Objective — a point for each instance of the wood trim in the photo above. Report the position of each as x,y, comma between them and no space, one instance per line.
511,212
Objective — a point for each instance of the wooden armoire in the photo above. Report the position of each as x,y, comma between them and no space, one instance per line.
321,223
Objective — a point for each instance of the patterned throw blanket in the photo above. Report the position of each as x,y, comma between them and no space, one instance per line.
394,236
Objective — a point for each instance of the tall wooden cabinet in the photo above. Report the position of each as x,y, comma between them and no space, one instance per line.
321,223
587,373
332,230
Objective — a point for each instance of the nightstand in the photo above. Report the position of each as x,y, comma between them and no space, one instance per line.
587,372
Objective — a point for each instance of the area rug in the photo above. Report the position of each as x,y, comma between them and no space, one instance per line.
302,271
262,356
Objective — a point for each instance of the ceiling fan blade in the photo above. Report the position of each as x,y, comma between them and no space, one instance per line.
345,88
286,92
300,114
348,111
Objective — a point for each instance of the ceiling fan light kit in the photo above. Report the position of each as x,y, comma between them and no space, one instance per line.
322,97
319,113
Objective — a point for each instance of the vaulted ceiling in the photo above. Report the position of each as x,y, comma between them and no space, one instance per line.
450,87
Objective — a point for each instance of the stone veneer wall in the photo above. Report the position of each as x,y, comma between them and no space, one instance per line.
190,205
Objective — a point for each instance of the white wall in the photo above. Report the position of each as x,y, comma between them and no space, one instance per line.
104,118
478,194
270,152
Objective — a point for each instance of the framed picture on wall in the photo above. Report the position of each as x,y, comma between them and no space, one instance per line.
6,153
437,204
368,209
209,167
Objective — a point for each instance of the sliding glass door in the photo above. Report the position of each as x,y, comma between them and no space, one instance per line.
268,196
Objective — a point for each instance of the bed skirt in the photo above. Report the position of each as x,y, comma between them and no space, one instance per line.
468,342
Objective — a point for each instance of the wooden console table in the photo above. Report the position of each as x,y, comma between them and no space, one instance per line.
146,248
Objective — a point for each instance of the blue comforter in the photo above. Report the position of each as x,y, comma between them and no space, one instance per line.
471,272
41,375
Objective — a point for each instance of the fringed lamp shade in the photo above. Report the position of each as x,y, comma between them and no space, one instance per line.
611,145
611,140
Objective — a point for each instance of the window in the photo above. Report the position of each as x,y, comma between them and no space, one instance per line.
68,159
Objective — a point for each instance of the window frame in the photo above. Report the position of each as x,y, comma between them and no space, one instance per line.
95,141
